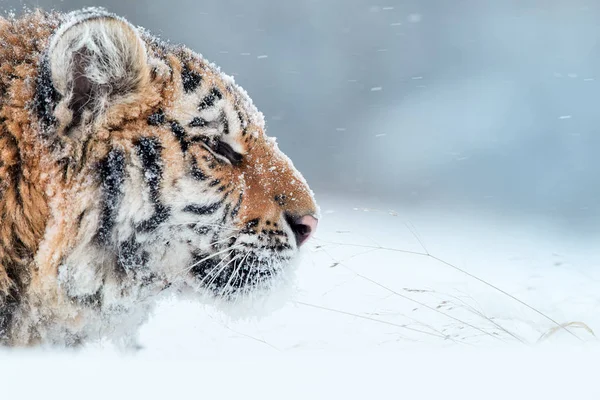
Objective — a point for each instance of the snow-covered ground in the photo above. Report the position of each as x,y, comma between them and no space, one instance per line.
389,304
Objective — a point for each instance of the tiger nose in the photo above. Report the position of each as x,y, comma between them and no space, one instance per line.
303,227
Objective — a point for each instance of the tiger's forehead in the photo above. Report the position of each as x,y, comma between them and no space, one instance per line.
200,86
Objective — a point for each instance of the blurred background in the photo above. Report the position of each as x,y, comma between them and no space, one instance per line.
458,105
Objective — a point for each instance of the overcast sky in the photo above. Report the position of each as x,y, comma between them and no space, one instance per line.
463,103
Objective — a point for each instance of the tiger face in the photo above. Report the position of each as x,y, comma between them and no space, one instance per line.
155,175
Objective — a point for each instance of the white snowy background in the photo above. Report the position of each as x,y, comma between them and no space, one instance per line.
388,304
452,146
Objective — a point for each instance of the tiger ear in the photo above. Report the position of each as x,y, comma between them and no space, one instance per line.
95,60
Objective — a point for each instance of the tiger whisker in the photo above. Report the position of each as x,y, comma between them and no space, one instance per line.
249,269
226,250
213,269
221,240
234,274
221,270
244,288
196,222
187,269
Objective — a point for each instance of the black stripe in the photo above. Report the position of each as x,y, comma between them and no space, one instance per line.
200,229
46,96
225,124
131,256
236,208
18,247
112,176
226,195
198,123
89,300
15,172
197,173
240,117
149,150
204,265
179,133
80,219
202,210
225,213
156,119
210,99
190,79
161,214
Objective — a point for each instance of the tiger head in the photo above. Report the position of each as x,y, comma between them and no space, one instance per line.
155,168
190,187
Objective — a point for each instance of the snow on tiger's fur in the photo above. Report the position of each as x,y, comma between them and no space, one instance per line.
130,169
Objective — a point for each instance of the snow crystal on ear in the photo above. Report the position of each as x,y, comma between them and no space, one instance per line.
73,18
78,16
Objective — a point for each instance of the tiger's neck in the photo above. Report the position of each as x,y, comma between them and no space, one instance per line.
24,213
23,203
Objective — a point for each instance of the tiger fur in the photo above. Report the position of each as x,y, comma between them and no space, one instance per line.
129,168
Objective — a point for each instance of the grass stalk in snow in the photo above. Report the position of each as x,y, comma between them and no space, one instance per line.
426,253
395,293
424,305
381,321
463,304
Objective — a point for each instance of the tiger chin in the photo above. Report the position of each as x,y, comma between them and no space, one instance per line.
130,169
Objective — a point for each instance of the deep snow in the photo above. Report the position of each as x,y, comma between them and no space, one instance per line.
370,322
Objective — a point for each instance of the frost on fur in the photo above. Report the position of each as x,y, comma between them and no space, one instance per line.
131,169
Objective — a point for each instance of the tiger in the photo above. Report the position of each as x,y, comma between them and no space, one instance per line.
131,168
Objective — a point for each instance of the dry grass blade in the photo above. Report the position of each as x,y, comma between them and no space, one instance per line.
414,233
445,337
575,324
244,334
470,308
456,268
423,304
558,325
